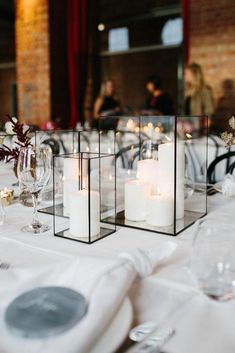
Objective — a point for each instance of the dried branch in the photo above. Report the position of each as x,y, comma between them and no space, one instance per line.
23,140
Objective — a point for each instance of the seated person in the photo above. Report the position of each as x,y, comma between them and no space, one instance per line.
106,104
158,102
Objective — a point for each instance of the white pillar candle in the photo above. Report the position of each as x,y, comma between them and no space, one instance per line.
69,186
147,170
79,214
72,172
166,180
136,193
72,168
160,211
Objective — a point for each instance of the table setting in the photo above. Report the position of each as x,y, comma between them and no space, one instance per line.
133,290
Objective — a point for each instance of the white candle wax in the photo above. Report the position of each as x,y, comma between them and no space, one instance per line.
160,211
79,214
136,193
166,180
147,170
72,168
69,186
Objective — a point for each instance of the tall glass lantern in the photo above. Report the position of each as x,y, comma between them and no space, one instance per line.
86,197
71,141
165,191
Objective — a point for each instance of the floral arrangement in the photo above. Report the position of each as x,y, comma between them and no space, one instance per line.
23,139
229,137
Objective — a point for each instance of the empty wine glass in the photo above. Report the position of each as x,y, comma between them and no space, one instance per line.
212,260
34,168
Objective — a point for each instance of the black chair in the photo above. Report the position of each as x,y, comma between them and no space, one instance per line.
123,153
53,144
230,166
128,159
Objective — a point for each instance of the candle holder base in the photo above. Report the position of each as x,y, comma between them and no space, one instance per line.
180,225
104,232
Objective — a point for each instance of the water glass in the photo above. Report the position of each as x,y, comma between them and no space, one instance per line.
213,260
34,169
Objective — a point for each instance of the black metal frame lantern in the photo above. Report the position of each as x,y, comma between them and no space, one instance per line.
165,186
85,196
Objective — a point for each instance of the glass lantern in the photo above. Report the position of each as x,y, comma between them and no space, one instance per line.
85,196
165,185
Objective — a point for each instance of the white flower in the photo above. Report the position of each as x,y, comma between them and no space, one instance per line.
9,126
232,122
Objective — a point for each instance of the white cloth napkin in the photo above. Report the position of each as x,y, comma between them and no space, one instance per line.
103,281
228,185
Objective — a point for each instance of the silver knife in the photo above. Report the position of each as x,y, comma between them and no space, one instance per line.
149,344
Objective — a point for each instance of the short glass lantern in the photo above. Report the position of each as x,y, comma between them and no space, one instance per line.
71,141
86,196
165,189
60,141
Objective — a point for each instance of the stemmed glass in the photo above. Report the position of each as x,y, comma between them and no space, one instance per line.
212,260
33,169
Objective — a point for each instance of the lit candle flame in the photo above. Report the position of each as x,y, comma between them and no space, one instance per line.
189,136
157,129
150,125
168,138
137,129
145,128
130,124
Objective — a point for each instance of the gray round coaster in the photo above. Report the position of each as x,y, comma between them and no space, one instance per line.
45,311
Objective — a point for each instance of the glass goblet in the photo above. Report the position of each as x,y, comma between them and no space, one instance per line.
34,169
212,260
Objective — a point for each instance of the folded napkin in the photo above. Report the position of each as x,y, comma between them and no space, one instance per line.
228,185
103,281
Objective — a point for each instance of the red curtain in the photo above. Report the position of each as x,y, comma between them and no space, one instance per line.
186,21
77,39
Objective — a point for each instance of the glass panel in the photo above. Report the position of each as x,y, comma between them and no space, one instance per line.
158,187
192,132
88,196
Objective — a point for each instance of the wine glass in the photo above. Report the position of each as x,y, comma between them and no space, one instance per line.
34,168
212,260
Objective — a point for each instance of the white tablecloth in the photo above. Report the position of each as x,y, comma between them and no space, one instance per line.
169,295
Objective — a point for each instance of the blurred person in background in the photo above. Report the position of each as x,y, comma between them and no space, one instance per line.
106,104
158,101
198,97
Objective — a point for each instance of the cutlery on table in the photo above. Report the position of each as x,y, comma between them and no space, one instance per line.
150,338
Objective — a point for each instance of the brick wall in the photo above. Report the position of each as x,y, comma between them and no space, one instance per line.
7,78
32,59
212,44
7,59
